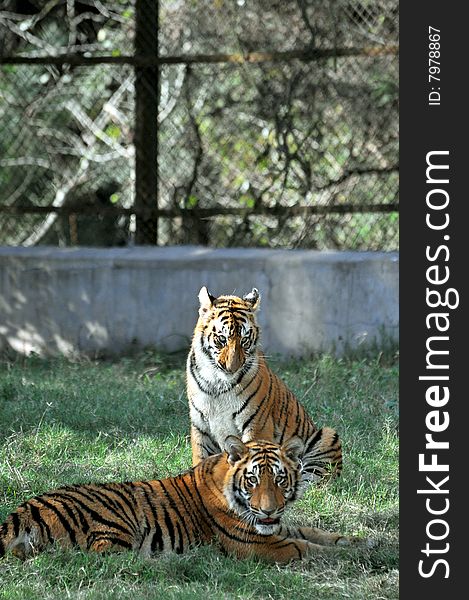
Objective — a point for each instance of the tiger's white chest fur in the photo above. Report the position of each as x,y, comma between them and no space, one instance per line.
215,412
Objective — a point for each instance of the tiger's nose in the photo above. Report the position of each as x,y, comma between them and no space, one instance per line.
234,357
269,511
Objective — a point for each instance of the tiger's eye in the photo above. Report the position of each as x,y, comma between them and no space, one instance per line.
219,340
281,481
245,341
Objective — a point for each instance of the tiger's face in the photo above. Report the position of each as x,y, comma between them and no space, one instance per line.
229,329
262,480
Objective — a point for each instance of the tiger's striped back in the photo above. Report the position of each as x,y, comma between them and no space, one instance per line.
237,498
146,516
232,390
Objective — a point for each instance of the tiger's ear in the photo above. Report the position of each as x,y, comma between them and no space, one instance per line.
294,448
253,298
235,449
206,300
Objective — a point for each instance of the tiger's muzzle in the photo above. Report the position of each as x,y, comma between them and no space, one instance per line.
232,356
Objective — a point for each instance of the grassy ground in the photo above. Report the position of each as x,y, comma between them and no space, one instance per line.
64,422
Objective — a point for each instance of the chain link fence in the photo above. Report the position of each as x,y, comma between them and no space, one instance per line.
215,122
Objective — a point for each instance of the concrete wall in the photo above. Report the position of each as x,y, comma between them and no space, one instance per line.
111,301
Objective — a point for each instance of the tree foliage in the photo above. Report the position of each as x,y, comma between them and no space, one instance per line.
262,135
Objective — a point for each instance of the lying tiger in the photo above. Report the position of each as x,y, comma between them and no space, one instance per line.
232,391
237,498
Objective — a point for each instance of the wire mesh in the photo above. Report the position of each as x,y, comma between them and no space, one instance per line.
214,134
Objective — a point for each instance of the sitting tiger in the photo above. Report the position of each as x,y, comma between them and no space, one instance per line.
232,391
237,497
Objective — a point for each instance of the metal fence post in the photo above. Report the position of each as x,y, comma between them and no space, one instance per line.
146,124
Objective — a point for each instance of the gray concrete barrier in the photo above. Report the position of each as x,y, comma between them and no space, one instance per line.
112,301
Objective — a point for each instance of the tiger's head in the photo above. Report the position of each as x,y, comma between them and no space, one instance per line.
262,479
229,332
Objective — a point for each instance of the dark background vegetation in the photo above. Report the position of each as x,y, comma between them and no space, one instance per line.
215,122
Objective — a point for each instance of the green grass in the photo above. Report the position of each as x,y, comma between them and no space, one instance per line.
69,422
